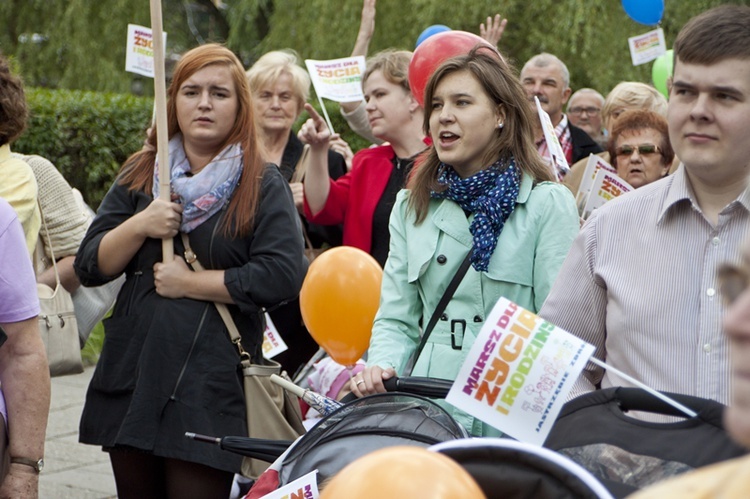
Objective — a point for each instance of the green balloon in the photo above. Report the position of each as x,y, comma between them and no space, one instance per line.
661,71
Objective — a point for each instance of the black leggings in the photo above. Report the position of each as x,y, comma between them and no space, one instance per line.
140,475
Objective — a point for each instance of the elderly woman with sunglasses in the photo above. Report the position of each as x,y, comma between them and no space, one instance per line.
639,147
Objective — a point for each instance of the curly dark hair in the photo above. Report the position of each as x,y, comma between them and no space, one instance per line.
13,110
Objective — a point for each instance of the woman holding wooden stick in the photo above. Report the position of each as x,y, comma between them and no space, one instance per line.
168,365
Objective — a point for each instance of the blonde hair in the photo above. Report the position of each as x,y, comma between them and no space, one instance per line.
393,63
269,68
633,95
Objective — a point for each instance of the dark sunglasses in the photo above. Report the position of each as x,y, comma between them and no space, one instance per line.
643,150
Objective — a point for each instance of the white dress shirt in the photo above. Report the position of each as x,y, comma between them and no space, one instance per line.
640,284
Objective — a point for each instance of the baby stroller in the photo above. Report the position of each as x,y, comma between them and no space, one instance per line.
502,467
355,429
507,469
623,453
627,454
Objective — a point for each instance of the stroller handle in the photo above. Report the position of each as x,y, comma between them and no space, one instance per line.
418,385
414,385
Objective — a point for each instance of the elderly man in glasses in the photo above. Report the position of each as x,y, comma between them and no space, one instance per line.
585,112
640,281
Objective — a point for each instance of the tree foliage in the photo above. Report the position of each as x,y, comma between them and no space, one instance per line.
80,43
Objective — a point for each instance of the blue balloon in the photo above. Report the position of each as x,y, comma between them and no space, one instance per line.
647,12
432,30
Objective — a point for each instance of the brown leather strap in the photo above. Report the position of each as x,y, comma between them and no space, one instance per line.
301,168
226,316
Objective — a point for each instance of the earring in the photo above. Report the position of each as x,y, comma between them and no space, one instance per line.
500,125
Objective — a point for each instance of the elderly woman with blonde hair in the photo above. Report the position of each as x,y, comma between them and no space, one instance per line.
280,88
627,95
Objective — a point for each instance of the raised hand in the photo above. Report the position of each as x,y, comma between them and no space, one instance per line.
314,131
493,32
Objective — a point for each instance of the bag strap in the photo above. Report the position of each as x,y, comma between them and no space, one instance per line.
298,176
301,167
234,334
308,242
49,244
444,300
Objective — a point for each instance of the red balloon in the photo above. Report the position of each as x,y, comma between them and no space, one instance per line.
435,50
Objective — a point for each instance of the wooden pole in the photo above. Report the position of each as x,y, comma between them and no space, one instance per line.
160,108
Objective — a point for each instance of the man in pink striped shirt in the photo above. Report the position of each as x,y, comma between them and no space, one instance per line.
640,281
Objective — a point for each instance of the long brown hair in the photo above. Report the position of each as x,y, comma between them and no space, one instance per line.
138,170
515,139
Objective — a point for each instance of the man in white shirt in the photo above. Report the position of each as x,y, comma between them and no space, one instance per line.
640,280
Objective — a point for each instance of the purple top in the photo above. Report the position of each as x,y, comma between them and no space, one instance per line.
18,296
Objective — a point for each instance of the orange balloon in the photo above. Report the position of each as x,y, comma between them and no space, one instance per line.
338,300
403,472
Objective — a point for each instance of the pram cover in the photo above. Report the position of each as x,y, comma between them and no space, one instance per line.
625,453
365,425
507,469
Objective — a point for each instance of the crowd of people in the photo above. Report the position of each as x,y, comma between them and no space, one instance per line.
463,188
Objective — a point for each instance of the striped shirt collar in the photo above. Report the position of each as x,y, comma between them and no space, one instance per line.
680,191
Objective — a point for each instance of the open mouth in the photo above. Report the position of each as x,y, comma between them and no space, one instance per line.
447,137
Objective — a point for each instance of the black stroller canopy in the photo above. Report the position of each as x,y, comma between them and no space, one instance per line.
365,425
507,469
627,454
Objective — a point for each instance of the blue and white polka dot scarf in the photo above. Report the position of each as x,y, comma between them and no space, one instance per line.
491,195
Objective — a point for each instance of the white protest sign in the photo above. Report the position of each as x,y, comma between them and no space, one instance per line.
556,153
518,372
273,344
593,165
305,487
606,186
647,47
339,80
139,53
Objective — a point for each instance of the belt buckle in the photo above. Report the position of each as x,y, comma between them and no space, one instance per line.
453,333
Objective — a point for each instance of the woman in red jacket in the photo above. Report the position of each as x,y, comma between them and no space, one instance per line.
362,199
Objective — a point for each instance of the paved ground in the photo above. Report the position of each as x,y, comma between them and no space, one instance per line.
72,470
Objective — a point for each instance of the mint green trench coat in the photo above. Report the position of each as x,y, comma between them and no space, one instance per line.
424,258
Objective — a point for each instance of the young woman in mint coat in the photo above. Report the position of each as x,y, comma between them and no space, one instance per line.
481,187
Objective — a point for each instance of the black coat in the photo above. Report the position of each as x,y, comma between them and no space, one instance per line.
288,318
583,144
320,235
167,365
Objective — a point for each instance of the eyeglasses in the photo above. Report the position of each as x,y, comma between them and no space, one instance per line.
591,111
643,150
733,281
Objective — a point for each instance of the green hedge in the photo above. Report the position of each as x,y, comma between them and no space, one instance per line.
88,135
